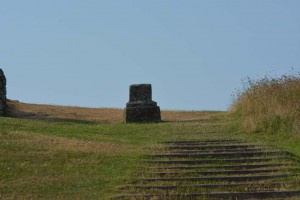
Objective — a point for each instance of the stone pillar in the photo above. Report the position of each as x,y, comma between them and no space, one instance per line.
140,107
3,105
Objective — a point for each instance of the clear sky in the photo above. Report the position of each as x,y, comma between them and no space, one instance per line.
193,52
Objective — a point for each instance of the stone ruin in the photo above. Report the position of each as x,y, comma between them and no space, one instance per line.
140,107
3,105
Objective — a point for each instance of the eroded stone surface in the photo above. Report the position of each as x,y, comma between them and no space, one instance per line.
140,92
140,107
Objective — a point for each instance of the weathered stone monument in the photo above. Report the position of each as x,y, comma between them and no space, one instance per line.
140,107
3,105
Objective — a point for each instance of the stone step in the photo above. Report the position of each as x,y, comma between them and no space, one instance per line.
251,186
217,195
218,178
215,155
203,142
244,166
217,150
211,147
236,172
211,161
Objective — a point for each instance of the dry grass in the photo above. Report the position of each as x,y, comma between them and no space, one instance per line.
57,144
270,104
54,112
99,115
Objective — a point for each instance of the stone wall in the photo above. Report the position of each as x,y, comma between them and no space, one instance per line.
2,93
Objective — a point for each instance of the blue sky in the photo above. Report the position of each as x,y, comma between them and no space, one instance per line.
193,52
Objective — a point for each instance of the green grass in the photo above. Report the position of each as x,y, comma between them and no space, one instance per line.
78,160
69,160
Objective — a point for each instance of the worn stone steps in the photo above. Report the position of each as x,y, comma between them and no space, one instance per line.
242,166
220,161
205,142
216,169
217,172
215,155
211,147
217,150
221,195
250,186
219,178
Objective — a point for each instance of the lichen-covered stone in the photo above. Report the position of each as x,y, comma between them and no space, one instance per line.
140,107
3,105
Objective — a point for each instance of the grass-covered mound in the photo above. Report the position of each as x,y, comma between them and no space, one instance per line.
269,105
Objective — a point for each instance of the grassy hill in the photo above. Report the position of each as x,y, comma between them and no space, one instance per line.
59,152
269,109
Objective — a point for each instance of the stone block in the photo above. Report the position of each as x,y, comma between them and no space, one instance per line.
3,105
140,107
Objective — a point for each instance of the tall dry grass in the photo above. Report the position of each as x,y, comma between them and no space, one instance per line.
269,105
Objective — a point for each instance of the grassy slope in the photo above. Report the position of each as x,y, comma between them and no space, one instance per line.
269,110
270,105
69,156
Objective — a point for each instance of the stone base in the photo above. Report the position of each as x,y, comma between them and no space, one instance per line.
2,108
142,114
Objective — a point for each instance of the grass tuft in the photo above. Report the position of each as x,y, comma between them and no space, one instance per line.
269,105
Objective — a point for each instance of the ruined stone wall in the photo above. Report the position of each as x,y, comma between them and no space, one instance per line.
2,93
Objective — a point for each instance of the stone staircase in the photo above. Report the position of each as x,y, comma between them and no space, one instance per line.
216,169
